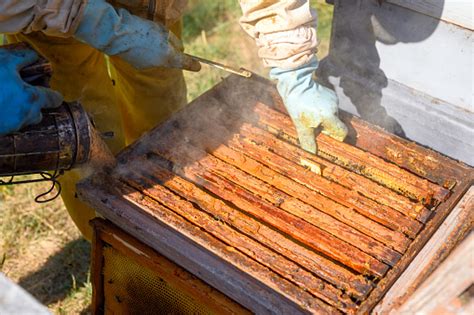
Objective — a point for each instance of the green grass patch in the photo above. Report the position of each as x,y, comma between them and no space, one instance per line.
207,15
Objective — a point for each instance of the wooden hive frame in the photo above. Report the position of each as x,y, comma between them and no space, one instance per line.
107,235
222,189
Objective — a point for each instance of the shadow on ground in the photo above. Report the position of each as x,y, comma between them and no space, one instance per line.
66,270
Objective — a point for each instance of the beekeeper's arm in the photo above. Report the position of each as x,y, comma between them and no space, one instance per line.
285,33
142,43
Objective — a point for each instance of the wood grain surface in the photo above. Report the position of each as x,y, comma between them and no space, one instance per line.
227,184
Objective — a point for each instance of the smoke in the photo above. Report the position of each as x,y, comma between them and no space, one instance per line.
100,159
208,122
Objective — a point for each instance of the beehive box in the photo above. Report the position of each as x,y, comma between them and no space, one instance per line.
223,190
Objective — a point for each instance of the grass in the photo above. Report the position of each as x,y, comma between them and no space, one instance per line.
206,34
40,248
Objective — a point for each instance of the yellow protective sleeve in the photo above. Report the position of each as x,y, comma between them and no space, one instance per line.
125,101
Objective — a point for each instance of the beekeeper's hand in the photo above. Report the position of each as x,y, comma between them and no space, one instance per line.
20,102
309,104
142,43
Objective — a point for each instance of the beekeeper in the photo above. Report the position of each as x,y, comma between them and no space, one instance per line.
143,82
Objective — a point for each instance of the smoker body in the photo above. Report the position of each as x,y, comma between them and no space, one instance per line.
61,141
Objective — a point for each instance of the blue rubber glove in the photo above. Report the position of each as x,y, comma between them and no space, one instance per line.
143,44
309,104
20,102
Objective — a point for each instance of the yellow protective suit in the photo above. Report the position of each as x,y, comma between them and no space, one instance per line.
123,100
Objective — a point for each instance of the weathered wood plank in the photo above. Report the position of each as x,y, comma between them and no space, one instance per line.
448,281
336,192
297,228
301,210
344,214
357,160
97,263
456,224
231,272
353,284
237,241
338,174
176,276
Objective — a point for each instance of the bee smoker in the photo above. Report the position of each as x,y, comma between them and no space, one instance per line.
61,141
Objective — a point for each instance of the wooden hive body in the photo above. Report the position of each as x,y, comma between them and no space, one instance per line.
223,190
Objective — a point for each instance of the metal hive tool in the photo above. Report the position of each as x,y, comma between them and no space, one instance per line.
223,189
